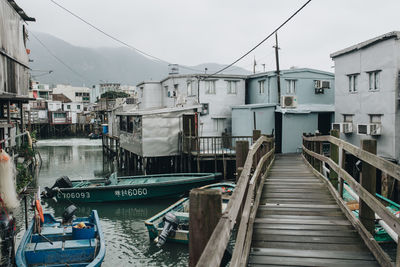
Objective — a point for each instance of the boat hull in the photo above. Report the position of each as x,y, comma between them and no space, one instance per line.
63,245
111,193
178,208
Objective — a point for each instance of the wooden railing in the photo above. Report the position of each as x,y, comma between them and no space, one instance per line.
245,198
212,145
365,190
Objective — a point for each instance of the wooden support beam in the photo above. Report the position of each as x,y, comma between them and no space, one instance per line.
368,181
205,211
256,135
333,176
242,149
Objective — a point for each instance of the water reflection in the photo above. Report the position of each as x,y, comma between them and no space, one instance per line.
126,236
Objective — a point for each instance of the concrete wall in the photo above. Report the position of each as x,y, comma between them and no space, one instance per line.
243,120
293,127
220,103
305,89
383,56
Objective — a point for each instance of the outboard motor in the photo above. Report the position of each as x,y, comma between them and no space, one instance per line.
62,182
68,214
7,233
171,223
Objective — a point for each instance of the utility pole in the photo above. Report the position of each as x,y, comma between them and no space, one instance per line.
254,65
278,73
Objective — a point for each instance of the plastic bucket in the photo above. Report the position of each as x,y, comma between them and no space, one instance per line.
105,128
84,233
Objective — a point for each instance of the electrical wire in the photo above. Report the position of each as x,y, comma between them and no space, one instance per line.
260,43
118,40
59,59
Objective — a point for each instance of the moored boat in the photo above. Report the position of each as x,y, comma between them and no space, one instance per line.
172,224
127,187
62,243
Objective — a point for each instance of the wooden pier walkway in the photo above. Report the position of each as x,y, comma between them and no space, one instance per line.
299,223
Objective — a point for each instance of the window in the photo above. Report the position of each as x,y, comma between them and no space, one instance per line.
232,87
353,78
219,124
189,88
68,106
348,117
166,90
176,87
78,106
210,87
261,87
373,78
375,118
291,87
122,123
131,120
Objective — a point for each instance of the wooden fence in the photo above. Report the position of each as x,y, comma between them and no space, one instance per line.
369,204
241,208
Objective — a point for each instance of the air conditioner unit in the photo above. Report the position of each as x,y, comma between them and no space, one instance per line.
171,93
320,84
343,127
369,128
289,101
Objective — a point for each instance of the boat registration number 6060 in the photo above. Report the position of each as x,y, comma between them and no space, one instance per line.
131,192
74,195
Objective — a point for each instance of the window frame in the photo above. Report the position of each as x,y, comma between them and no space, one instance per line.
210,84
374,77
291,86
352,82
229,87
261,89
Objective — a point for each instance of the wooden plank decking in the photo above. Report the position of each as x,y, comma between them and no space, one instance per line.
298,222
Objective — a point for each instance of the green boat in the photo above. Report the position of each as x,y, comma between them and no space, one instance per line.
127,187
172,224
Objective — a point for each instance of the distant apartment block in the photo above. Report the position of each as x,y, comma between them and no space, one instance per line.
75,94
367,94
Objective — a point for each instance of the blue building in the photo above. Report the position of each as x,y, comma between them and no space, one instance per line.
305,104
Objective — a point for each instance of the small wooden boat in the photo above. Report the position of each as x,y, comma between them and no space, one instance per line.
62,244
178,214
127,187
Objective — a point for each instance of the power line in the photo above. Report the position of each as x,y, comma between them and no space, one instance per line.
59,59
265,39
115,38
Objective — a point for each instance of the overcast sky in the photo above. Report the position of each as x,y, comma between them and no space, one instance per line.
194,32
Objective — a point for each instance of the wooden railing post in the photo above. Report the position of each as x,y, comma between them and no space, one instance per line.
318,149
368,181
204,213
333,176
256,135
242,149
342,164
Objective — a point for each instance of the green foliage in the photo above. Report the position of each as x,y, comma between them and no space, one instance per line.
114,95
25,151
24,177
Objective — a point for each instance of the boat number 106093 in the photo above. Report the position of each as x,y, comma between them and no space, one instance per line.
74,195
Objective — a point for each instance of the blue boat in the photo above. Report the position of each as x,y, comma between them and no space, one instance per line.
62,243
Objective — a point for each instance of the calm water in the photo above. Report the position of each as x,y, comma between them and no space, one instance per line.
127,241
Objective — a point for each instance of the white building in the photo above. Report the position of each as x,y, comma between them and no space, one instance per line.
73,109
367,77
76,94
217,94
